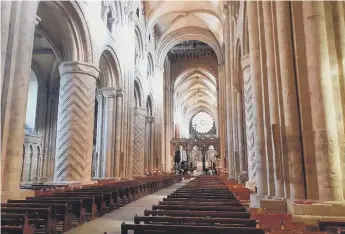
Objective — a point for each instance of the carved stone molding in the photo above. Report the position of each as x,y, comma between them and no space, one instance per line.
78,67
120,92
108,92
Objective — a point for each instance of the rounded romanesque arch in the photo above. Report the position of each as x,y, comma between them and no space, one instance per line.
64,26
110,70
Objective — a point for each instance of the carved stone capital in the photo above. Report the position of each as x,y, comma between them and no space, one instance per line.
149,119
238,87
140,111
78,67
245,62
120,92
108,92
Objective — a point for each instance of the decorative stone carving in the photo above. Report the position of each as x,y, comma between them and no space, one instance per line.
138,143
75,122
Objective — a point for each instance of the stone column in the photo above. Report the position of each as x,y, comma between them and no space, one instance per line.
99,138
249,117
107,132
151,155
147,144
290,106
75,122
139,142
339,37
273,98
240,127
322,104
16,75
257,88
118,131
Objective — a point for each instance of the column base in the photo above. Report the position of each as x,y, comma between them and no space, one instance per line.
251,185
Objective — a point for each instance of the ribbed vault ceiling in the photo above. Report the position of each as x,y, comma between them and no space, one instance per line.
195,90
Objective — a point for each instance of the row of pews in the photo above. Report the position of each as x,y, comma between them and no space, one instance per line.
57,211
205,205
282,223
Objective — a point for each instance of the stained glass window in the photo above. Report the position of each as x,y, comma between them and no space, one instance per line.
202,122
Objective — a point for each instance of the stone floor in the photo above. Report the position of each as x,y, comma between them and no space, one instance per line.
111,222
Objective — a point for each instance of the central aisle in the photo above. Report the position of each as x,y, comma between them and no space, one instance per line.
111,222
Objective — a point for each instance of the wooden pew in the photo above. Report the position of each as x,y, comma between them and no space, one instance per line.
214,214
324,225
197,220
16,223
42,218
87,202
153,228
199,208
61,211
210,203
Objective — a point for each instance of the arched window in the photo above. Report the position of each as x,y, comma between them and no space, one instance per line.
137,12
202,122
149,106
109,20
137,97
30,119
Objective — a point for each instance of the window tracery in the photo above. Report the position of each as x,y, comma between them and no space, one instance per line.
202,122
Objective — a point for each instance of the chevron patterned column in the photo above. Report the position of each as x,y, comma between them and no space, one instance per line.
249,120
75,122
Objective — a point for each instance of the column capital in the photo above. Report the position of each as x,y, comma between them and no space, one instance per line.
108,92
149,119
140,111
238,87
120,92
245,61
78,67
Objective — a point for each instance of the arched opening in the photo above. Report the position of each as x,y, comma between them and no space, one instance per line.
137,95
59,36
30,119
149,137
110,20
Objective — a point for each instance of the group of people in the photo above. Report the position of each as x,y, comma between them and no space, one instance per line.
195,161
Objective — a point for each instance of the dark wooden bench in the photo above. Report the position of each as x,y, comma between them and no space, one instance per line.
87,202
335,225
199,208
197,199
43,218
153,228
189,213
62,211
195,220
16,223
230,203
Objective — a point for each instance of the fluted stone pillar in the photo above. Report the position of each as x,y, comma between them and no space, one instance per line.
240,128
273,99
322,104
118,132
13,103
139,142
290,106
257,88
107,132
75,122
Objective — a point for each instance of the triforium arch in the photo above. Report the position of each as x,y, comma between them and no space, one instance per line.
104,163
149,120
139,121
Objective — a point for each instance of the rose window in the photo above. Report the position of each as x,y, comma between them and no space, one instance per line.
202,122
